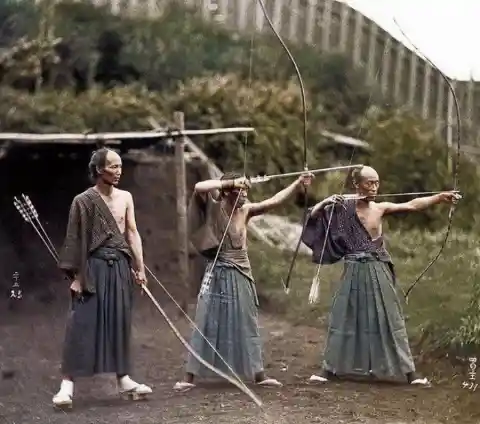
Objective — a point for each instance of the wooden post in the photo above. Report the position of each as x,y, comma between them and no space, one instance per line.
182,230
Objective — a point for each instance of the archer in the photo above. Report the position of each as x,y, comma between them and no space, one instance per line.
367,334
103,256
227,333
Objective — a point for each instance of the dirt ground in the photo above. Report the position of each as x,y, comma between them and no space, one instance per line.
31,338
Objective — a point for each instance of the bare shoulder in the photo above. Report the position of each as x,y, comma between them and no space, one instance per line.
376,206
123,194
245,210
380,207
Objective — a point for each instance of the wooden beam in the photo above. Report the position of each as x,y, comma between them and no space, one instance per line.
115,136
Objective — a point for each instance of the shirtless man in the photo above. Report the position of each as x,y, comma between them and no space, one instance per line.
367,334
227,314
103,257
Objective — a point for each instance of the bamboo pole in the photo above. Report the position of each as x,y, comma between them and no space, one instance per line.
112,136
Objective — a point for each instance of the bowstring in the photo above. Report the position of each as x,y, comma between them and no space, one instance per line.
245,144
456,166
210,269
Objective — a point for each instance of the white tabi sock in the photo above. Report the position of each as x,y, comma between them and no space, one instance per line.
126,383
67,387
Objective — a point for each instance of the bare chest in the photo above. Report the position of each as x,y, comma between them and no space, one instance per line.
118,208
371,219
238,230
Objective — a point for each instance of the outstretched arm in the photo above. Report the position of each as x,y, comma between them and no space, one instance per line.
133,236
214,186
273,202
420,203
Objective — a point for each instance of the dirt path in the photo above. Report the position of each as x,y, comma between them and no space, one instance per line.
30,345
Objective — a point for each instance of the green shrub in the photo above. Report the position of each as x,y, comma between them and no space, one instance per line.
120,109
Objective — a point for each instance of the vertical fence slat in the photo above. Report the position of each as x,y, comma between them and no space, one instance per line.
242,15
357,42
372,45
344,21
399,71
440,120
326,24
277,14
426,90
293,24
412,79
259,17
386,63
311,20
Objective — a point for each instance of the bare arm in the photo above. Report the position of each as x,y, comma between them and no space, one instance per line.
336,199
273,202
415,205
207,186
317,208
133,236
214,186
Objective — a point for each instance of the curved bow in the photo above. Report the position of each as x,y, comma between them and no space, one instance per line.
29,213
305,124
235,381
456,166
206,281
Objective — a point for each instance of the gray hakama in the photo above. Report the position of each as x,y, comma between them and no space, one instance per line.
227,307
99,325
227,315
367,334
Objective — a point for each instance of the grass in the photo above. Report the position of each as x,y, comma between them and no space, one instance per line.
436,305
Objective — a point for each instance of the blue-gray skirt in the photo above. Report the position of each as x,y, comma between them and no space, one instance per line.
227,315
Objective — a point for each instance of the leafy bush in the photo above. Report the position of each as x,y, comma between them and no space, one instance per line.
409,158
112,50
120,109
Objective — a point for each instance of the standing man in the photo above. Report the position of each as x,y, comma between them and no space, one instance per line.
367,334
227,308
103,257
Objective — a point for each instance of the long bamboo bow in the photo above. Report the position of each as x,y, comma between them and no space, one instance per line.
456,166
29,213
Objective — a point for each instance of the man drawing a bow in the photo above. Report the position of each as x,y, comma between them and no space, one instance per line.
228,336
366,334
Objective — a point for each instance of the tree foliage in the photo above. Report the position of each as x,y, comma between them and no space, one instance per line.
410,158
102,72
98,47
119,109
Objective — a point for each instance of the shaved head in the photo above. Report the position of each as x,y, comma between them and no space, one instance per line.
105,164
366,181
112,157
368,172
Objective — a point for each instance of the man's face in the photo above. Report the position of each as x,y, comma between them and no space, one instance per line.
112,172
369,183
233,194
